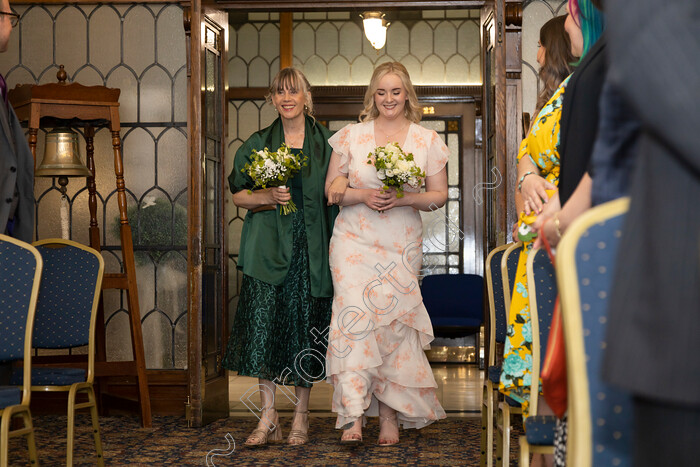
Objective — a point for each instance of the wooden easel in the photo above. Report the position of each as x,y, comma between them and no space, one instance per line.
62,104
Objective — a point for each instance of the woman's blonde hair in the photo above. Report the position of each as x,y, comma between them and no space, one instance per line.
412,110
291,78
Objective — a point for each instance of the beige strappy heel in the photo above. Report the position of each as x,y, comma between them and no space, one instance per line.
261,436
298,437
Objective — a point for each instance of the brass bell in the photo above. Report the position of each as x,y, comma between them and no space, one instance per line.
61,157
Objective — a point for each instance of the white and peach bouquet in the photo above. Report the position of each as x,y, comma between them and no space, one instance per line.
395,168
274,169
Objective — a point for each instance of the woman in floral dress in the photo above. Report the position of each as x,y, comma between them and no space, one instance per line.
380,326
538,173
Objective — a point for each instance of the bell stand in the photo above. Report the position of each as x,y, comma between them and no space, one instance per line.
90,106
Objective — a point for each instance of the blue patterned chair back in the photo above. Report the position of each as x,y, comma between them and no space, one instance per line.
454,299
600,419
512,264
66,296
499,318
545,289
20,267
610,408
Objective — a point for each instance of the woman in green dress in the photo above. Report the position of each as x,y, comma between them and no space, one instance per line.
286,293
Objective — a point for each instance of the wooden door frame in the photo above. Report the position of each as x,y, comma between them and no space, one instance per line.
195,210
508,121
194,19
508,16
507,46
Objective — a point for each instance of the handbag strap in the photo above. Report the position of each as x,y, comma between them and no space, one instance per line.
546,244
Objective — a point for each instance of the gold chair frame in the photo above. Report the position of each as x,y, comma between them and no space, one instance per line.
23,410
579,447
86,386
490,393
504,409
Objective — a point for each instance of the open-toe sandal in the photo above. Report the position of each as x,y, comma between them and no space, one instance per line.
298,437
382,441
261,436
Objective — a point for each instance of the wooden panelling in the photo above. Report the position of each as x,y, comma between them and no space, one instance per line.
286,40
514,14
354,94
344,5
92,2
513,138
500,112
514,99
167,390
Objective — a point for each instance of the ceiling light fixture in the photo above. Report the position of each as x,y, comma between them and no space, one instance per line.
375,28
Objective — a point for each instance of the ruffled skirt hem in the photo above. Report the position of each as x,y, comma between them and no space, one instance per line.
394,371
416,407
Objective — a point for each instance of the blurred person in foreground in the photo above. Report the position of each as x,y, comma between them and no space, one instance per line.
655,302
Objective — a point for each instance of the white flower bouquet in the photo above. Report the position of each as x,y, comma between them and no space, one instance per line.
274,169
395,168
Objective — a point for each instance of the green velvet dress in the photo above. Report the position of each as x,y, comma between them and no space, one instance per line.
276,329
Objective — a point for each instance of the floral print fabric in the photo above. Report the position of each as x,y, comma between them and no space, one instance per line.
541,146
380,326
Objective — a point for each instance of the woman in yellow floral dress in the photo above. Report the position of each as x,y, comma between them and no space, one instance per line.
538,161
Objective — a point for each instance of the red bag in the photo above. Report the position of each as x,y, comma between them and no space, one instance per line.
553,373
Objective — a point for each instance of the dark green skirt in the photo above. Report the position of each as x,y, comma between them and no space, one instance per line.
272,336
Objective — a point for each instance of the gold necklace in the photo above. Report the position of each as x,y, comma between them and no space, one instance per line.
390,135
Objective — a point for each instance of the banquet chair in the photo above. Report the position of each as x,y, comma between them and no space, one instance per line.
20,275
65,318
599,416
507,407
497,334
542,294
455,303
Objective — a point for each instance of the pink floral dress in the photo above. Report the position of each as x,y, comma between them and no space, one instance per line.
380,326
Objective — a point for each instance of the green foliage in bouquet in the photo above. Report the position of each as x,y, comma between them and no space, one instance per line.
152,226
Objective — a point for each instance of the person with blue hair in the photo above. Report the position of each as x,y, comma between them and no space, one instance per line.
580,109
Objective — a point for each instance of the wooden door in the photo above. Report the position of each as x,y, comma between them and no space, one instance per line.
208,382
492,164
501,27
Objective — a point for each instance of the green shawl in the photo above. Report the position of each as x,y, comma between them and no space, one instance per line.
266,239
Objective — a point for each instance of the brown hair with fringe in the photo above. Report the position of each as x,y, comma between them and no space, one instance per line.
412,110
292,79
557,59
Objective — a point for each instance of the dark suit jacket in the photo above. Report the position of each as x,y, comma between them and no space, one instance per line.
579,118
653,338
616,147
16,171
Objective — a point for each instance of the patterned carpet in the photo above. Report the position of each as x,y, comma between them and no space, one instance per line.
455,441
